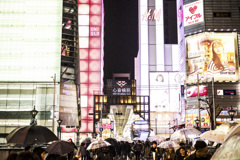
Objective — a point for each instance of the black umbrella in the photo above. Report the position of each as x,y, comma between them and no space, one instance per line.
29,135
112,141
60,147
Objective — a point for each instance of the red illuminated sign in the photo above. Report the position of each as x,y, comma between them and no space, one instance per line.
193,91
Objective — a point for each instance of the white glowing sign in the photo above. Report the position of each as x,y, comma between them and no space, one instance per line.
193,13
151,15
30,41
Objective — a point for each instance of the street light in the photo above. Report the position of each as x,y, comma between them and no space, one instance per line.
197,121
33,112
231,113
59,129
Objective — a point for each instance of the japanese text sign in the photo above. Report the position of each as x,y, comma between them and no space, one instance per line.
193,13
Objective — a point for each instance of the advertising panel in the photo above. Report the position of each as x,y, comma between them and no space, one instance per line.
193,13
68,105
165,91
30,41
191,115
212,55
193,91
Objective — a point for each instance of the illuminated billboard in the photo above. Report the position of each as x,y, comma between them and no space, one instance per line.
212,55
193,13
165,91
90,21
30,40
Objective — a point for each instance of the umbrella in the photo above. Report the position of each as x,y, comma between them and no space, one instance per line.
222,133
112,141
168,144
98,144
60,147
186,133
156,138
29,135
229,149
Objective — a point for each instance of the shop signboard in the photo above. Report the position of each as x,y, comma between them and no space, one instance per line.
212,55
226,92
191,115
193,91
193,13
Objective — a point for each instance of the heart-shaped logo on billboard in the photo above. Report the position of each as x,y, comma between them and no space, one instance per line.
189,92
193,9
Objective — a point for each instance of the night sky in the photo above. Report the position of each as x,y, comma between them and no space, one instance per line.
120,36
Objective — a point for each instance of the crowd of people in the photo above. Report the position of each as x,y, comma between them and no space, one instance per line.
122,151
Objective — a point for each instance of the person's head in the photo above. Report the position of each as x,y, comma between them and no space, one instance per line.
154,144
182,150
39,151
12,156
182,144
28,156
27,148
201,149
170,150
217,50
52,156
70,140
62,158
217,47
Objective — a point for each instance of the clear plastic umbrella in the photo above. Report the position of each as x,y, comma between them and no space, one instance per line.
229,149
168,144
186,133
136,139
156,138
222,133
98,144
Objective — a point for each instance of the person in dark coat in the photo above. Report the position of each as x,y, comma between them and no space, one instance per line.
147,150
70,154
154,150
104,154
201,152
178,150
138,149
183,154
83,151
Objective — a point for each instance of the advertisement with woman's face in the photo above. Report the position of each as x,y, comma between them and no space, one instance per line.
212,55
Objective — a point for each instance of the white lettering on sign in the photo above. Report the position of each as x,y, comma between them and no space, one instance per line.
68,92
67,86
152,15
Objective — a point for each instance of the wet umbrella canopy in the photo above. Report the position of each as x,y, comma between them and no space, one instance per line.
29,135
98,144
229,150
156,138
112,141
186,133
60,147
168,144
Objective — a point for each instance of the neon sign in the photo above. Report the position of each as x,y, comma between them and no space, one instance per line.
152,15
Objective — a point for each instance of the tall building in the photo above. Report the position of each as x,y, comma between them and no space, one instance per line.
157,64
38,63
90,21
211,30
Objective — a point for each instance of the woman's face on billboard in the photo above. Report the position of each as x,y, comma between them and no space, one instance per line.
218,48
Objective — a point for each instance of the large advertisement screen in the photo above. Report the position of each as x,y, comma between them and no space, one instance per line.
212,55
165,91
30,41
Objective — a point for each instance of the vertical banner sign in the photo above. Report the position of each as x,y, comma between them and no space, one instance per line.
182,91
